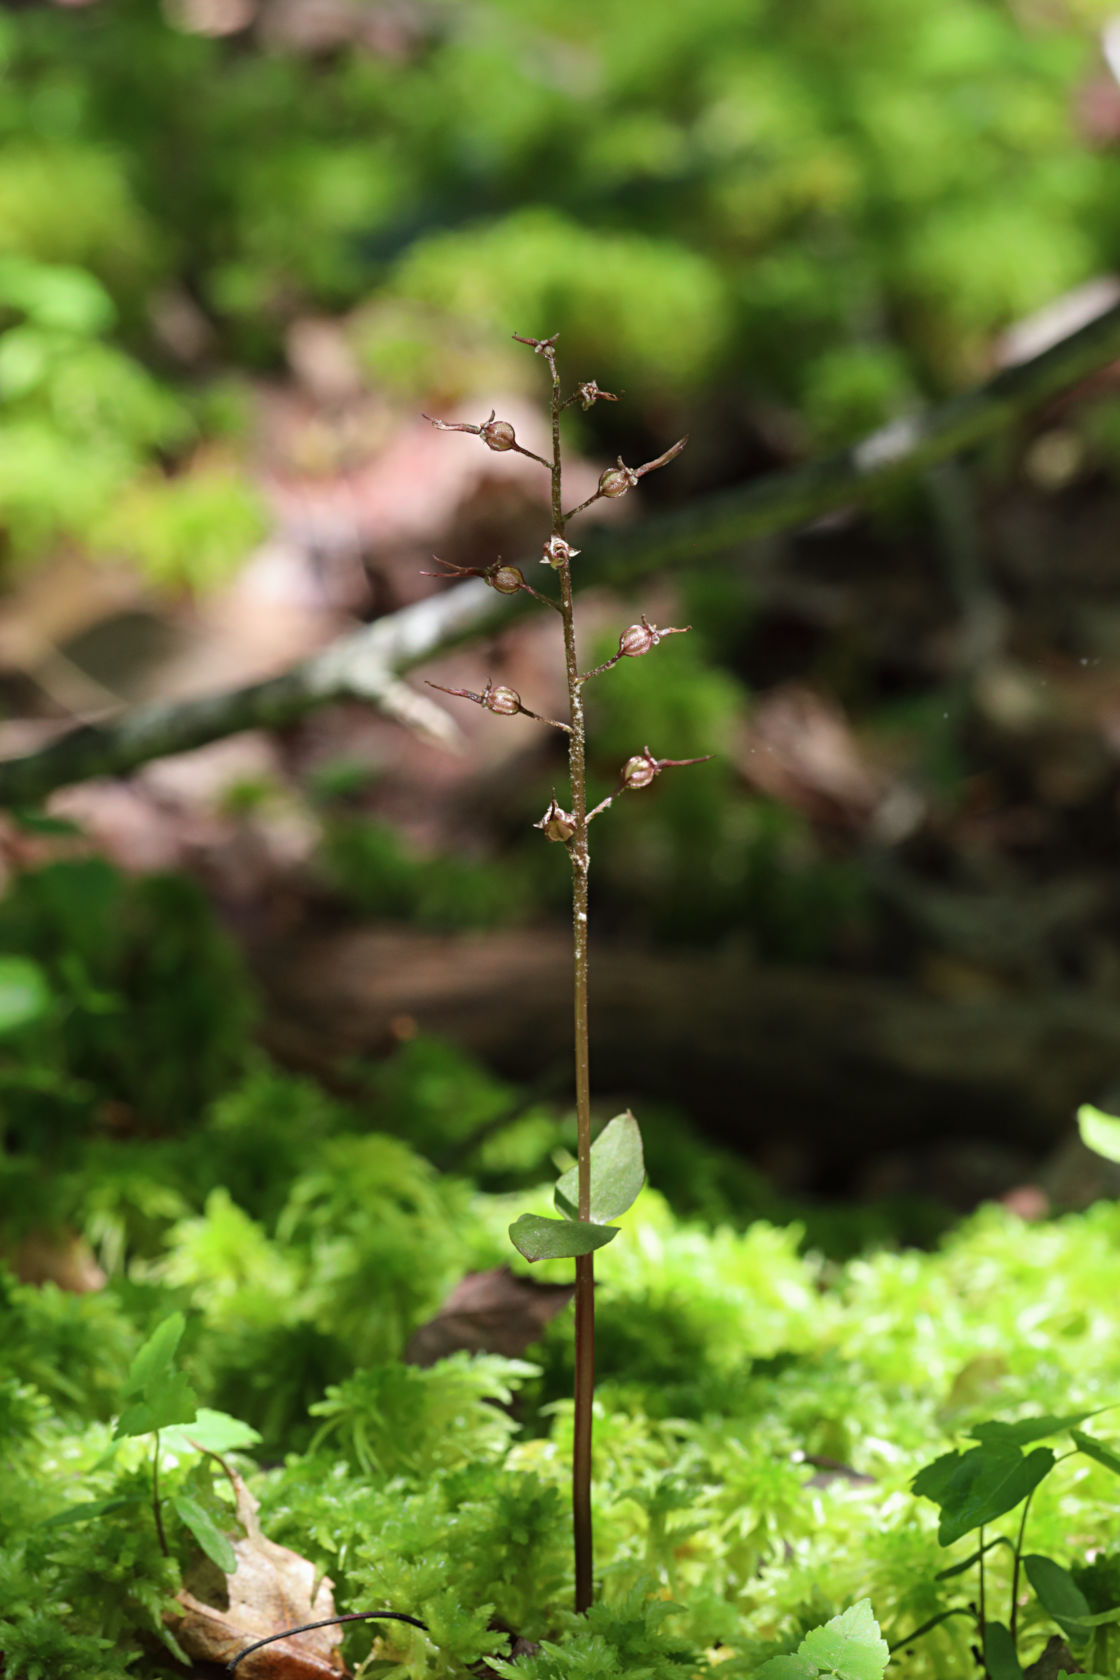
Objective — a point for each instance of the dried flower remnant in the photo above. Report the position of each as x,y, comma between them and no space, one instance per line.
557,823
588,394
557,553
638,772
500,699
636,640
617,481
496,434
505,579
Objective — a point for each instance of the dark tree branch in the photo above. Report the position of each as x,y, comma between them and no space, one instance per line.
369,663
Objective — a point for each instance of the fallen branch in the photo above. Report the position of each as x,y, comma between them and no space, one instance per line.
369,663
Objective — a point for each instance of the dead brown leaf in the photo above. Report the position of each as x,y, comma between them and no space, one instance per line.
60,1257
489,1312
270,1590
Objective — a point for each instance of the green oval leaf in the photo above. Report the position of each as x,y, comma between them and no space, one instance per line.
618,1171
1100,1132
24,993
214,1543
999,1653
538,1238
1058,1593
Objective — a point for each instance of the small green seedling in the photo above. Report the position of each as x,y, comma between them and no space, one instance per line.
159,1401
990,1480
609,1174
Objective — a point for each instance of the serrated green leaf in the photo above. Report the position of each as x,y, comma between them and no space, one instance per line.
1058,1592
215,1431
1100,1132
1106,1455
786,1668
981,1485
1026,1430
155,1357
214,1543
538,1238
618,1172
999,1653
25,994
850,1646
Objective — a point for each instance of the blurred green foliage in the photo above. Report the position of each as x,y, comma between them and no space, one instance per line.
828,207
142,1004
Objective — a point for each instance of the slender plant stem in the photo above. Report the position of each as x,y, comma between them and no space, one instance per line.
578,853
1013,1619
156,1512
983,1600
928,1627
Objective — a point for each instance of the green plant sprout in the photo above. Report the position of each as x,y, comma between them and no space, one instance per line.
988,1481
160,1402
608,1175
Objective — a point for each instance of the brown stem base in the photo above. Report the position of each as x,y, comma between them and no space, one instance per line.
581,1447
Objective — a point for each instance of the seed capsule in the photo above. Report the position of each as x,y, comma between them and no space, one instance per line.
639,771
497,434
637,639
616,481
506,702
507,580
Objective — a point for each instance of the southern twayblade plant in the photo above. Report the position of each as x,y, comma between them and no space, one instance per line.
608,1174
990,1480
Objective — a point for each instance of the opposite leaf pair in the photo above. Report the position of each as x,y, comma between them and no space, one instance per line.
617,1175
